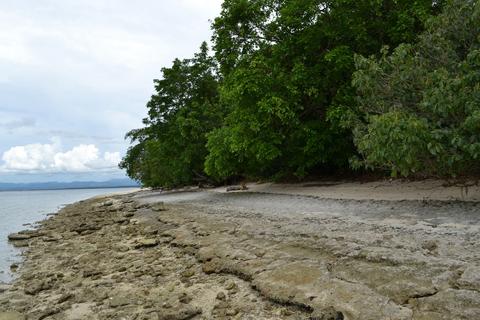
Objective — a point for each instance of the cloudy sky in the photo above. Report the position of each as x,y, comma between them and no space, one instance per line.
75,76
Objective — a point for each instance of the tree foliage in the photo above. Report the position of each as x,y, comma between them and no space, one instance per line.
295,87
421,104
170,149
287,68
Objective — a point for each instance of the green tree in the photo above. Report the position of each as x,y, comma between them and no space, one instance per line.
287,68
170,150
422,102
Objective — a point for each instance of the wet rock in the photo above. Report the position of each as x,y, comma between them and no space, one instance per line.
292,262
18,236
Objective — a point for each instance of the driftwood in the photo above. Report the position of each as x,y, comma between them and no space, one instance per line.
237,188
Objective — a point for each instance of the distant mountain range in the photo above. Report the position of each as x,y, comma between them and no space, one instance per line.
115,183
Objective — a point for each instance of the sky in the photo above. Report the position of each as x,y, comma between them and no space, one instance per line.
75,76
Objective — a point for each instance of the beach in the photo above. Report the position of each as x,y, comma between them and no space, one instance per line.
269,252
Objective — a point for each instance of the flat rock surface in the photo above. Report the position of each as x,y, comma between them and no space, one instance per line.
248,255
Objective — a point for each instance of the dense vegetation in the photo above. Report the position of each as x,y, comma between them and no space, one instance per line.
296,87
421,104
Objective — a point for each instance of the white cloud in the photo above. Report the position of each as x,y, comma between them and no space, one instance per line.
83,70
50,158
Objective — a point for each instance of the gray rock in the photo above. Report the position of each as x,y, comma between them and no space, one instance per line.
18,236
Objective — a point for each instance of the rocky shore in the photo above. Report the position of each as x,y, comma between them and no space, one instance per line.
133,257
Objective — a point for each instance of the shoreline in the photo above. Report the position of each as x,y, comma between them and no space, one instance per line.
21,209
208,255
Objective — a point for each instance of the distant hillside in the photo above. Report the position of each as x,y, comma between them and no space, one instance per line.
115,183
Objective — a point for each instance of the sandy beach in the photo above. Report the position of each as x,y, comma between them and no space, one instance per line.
271,252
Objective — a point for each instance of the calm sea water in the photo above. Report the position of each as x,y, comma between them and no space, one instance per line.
18,208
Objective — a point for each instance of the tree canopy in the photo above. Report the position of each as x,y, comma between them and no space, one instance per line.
170,149
295,87
421,103
287,68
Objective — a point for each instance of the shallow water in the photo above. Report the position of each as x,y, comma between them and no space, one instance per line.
18,208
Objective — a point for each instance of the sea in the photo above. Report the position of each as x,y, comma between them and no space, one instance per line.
19,210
